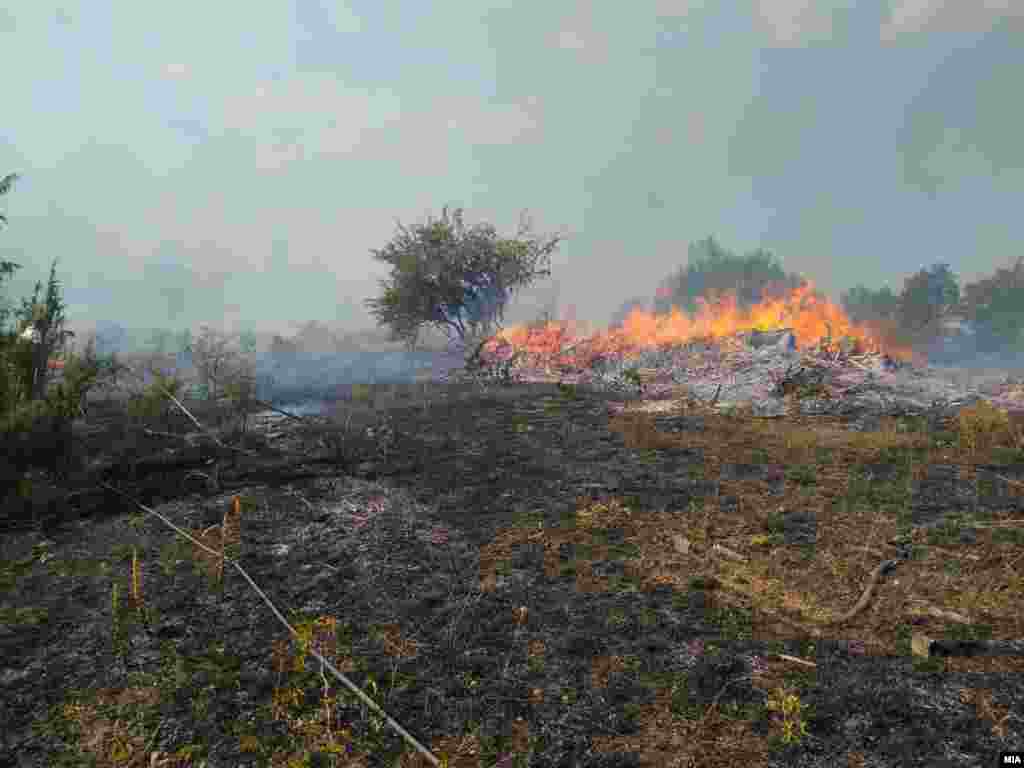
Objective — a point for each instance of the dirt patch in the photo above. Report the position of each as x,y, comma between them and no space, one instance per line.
542,574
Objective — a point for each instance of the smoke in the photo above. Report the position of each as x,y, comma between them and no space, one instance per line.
304,375
320,364
317,363
976,349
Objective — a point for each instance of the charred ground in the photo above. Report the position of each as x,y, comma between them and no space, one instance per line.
535,571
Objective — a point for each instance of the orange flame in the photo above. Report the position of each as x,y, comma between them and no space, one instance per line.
814,320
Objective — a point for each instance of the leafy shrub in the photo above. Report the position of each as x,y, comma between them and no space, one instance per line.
37,433
152,402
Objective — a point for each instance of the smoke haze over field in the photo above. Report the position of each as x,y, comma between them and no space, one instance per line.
187,167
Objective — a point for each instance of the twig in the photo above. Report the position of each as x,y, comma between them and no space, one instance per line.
863,367
795,659
939,613
154,433
275,409
195,421
719,549
211,480
876,576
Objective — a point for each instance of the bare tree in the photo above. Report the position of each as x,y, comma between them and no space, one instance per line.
214,357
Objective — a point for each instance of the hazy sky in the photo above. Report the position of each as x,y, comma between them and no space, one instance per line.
234,163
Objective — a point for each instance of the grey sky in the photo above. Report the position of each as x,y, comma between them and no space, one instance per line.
234,163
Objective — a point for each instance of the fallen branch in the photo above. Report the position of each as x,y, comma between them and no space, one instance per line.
861,366
194,420
275,409
876,577
720,550
939,613
794,659
170,435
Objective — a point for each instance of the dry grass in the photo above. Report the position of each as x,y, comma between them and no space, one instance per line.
787,593
782,591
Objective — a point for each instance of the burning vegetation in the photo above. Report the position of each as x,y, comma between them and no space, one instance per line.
816,322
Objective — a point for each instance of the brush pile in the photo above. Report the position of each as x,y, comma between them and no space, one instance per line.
762,369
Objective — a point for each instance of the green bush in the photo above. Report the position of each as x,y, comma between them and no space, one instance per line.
37,432
11,391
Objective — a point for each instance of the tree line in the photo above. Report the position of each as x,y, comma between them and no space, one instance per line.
994,306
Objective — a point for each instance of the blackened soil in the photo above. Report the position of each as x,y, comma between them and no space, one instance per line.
458,473
486,460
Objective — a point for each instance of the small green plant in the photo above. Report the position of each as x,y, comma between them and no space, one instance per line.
241,393
624,583
929,665
551,407
802,475
532,519
1013,536
788,705
361,392
152,402
117,622
648,618
616,618
1002,454
970,632
632,376
734,623
682,705
568,391
952,568
947,533
775,524
904,636
806,648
